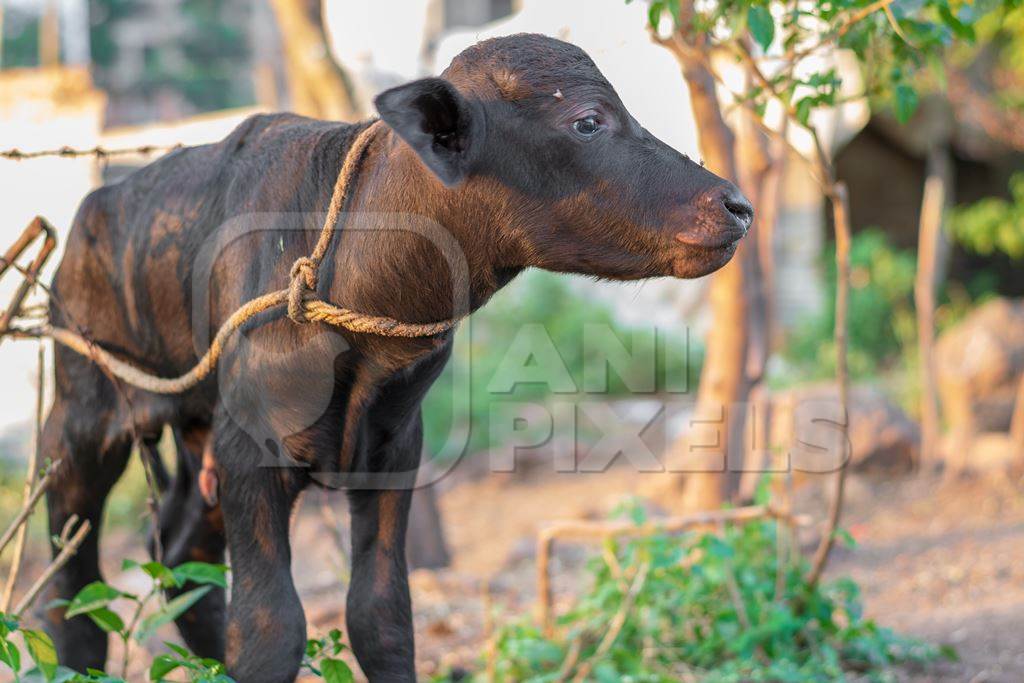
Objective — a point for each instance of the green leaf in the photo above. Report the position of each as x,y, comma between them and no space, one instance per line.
673,8
336,671
178,649
803,110
202,573
61,674
962,30
107,619
43,653
762,25
155,570
846,538
654,13
169,612
905,102
161,666
94,596
337,644
10,655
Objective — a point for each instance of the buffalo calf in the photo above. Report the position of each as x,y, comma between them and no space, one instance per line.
521,153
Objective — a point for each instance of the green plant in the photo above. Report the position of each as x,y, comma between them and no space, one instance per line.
881,313
39,646
95,600
892,42
993,225
321,658
709,607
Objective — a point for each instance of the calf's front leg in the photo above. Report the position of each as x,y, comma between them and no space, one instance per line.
266,629
379,613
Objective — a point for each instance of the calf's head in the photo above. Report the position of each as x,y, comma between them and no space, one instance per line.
526,128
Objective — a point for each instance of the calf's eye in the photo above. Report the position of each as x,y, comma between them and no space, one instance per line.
587,126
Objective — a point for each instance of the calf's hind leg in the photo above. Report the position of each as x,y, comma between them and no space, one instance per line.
192,531
88,463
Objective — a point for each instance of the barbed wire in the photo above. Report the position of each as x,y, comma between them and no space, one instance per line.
99,152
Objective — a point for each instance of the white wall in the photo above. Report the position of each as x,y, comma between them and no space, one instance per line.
33,117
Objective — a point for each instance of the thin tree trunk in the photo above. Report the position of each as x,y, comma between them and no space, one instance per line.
766,199
925,288
723,384
723,388
841,218
49,35
317,84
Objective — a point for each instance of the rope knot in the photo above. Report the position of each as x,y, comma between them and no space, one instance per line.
303,279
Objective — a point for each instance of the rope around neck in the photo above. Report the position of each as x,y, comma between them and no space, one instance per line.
300,297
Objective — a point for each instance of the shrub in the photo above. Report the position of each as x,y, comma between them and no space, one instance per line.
94,601
993,225
881,313
706,607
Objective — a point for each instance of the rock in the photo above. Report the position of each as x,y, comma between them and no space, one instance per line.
882,438
986,452
978,365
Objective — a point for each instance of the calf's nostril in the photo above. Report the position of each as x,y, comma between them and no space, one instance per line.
738,206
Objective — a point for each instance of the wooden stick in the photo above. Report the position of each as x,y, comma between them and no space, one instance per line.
545,545
26,510
30,478
489,636
617,622
582,530
70,548
38,227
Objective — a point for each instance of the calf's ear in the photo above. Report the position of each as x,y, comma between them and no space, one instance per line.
436,121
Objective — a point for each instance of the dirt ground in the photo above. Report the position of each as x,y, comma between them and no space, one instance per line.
940,560
943,561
